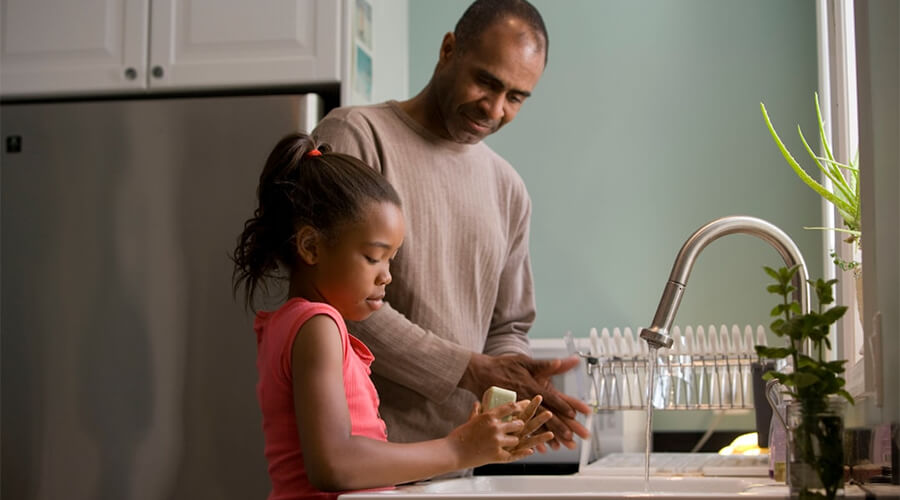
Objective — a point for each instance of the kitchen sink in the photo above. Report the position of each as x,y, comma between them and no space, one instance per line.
579,486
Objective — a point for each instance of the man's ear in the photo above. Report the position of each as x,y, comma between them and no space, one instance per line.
307,240
448,46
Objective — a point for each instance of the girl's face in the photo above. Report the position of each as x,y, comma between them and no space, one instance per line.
353,269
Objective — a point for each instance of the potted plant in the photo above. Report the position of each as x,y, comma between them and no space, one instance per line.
815,387
843,192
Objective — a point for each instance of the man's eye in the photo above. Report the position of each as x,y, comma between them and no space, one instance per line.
490,84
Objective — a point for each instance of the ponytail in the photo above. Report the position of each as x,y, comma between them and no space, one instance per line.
303,183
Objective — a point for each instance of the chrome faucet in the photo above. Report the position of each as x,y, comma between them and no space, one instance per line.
658,334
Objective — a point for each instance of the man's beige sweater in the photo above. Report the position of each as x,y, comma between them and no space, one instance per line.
462,280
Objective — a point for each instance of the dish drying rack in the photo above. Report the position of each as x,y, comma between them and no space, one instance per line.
706,368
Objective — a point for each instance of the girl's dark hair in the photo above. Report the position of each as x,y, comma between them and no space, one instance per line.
299,189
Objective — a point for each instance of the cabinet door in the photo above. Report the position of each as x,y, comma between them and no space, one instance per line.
64,47
236,43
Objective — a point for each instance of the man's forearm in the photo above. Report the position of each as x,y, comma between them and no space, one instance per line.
410,355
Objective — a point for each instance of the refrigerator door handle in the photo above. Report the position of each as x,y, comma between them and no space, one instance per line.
309,112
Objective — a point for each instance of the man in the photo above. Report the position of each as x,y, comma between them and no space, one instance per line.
461,302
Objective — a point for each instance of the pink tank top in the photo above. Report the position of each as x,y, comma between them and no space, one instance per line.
275,332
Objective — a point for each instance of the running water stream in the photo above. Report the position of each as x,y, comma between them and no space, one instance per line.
648,432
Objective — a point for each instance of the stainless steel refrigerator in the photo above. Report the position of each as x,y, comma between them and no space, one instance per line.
128,369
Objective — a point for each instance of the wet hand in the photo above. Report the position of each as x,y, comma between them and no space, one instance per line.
533,420
530,377
486,437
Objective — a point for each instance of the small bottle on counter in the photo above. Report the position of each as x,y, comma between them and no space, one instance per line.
778,445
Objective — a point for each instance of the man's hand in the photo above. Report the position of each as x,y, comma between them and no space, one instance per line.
528,378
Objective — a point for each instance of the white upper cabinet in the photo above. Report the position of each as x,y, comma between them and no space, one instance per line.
59,46
63,47
215,43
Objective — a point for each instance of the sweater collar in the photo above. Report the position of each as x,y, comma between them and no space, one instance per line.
427,134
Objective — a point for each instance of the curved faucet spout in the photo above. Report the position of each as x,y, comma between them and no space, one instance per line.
658,333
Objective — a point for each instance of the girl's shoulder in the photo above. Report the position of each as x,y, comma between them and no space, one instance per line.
297,308
276,331
293,314
299,305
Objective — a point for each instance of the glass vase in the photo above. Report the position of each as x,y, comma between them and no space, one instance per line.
816,451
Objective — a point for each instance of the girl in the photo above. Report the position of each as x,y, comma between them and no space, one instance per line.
333,224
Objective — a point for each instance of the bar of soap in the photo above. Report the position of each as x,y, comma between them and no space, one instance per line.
497,396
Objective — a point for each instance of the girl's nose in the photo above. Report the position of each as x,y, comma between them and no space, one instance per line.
384,278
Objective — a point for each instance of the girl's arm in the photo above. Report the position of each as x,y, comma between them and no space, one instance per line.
336,460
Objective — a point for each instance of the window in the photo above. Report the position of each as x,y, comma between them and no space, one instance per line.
838,100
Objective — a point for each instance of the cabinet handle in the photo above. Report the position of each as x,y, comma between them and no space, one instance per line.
157,72
130,73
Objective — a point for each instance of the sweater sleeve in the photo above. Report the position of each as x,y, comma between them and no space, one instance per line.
410,355
514,310
405,353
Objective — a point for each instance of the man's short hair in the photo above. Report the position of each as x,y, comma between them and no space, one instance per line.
482,14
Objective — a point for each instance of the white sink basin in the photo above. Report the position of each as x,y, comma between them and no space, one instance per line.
581,487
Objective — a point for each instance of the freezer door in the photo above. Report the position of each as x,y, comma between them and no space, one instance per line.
128,368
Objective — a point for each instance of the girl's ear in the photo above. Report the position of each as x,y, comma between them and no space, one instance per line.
308,244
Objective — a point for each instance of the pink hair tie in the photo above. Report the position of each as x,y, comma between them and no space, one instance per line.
313,152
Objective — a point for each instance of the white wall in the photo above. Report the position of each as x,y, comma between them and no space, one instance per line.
878,63
646,125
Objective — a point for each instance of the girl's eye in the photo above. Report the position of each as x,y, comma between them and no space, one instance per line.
371,260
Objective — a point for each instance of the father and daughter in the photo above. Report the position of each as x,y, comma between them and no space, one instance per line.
331,225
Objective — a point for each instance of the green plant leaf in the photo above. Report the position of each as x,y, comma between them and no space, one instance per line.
845,193
843,166
774,352
777,326
813,379
846,396
815,186
822,127
835,313
836,366
782,378
838,229
830,168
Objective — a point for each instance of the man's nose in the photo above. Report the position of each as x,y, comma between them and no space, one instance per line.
493,107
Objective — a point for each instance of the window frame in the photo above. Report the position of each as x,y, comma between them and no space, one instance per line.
838,102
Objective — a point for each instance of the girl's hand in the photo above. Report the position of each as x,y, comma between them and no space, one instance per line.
486,437
533,421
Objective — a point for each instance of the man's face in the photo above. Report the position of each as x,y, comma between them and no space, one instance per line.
482,88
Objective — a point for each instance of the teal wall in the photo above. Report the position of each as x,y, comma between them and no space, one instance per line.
646,125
